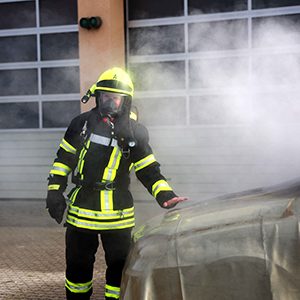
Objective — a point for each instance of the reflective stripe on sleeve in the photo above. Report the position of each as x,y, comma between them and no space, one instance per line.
60,169
160,186
53,187
68,147
141,164
78,287
112,291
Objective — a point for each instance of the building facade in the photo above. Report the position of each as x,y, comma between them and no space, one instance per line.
216,83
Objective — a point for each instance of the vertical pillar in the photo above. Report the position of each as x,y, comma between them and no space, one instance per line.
103,48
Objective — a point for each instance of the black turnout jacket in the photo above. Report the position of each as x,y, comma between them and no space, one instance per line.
101,199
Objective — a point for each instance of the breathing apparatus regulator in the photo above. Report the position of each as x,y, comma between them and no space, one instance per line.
113,92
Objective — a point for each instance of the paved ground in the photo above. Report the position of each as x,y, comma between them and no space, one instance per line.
32,251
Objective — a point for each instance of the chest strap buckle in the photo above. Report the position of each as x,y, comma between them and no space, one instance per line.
100,186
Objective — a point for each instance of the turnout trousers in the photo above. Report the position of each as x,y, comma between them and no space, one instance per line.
81,249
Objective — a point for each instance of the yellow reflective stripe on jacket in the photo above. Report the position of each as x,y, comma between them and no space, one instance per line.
159,186
81,159
53,187
112,291
68,147
74,194
113,165
106,200
101,215
78,287
141,164
94,225
60,169
130,167
109,175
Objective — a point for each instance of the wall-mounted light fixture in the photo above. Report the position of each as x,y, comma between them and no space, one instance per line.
88,23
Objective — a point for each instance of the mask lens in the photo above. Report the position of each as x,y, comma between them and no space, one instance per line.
110,103
117,98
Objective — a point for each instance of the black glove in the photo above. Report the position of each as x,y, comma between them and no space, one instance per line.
56,205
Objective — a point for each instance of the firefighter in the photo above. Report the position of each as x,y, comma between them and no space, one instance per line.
99,148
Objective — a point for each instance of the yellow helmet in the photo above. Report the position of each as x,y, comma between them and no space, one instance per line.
115,80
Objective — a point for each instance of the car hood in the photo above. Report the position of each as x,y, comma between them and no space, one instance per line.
239,246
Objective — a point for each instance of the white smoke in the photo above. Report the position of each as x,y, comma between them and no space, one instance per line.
249,84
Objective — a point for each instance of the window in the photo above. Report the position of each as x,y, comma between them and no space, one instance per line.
17,15
144,9
60,80
58,12
59,113
258,4
276,31
219,109
218,72
156,40
152,111
158,76
18,82
18,48
215,6
31,44
58,46
19,115
276,69
218,35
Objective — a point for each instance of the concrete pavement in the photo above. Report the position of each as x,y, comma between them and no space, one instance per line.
32,249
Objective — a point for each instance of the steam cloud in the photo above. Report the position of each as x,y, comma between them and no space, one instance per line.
253,91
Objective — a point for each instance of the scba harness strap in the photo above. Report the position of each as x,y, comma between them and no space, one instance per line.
97,186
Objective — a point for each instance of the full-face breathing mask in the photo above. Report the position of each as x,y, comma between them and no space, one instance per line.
110,104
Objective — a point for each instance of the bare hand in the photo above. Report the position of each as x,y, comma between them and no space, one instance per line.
172,202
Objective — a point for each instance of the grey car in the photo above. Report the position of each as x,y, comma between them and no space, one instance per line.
243,246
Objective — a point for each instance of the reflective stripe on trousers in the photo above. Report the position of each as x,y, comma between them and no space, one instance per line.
78,287
112,291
